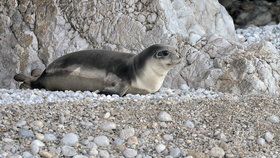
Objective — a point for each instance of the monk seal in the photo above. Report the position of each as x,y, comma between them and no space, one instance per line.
106,71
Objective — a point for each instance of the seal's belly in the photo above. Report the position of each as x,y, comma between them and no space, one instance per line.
74,83
78,79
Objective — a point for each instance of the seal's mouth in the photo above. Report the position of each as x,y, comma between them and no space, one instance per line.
175,62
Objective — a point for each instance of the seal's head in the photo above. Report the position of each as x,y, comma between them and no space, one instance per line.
159,58
152,65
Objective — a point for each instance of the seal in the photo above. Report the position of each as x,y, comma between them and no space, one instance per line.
107,72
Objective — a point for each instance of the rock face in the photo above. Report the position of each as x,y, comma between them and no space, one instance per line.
34,33
253,12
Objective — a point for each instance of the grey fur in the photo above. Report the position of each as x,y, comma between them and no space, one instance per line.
108,72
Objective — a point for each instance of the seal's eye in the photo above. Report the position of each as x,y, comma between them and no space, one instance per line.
162,53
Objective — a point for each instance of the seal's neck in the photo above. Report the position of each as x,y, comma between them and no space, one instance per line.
148,77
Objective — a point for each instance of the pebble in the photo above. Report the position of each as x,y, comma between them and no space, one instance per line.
268,136
132,140
104,154
175,152
217,152
21,123
164,117
273,119
126,133
46,154
107,115
48,137
101,141
261,141
27,154
35,146
26,133
160,148
189,124
184,87
93,151
39,136
168,137
70,139
80,156
68,151
107,126
38,125
118,141
128,153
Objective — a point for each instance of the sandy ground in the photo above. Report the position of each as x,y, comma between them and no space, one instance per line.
231,123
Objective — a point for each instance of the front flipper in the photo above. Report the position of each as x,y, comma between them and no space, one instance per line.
114,85
119,89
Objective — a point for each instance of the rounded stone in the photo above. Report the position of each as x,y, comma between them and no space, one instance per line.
26,133
268,136
273,119
80,156
48,137
160,148
101,141
189,124
35,146
168,137
164,117
261,141
129,153
126,133
107,126
104,154
175,152
68,151
132,140
217,152
70,139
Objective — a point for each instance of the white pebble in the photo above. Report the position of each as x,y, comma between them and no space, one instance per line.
70,139
273,119
35,146
164,116
104,154
189,124
126,133
217,152
80,156
268,136
48,137
101,141
175,152
261,141
27,155
168,137
160,148
68,151
107,126
129,153
184,87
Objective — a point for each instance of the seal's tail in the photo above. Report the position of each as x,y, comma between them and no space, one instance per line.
27,80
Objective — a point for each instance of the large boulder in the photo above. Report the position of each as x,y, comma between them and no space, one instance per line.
34,33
